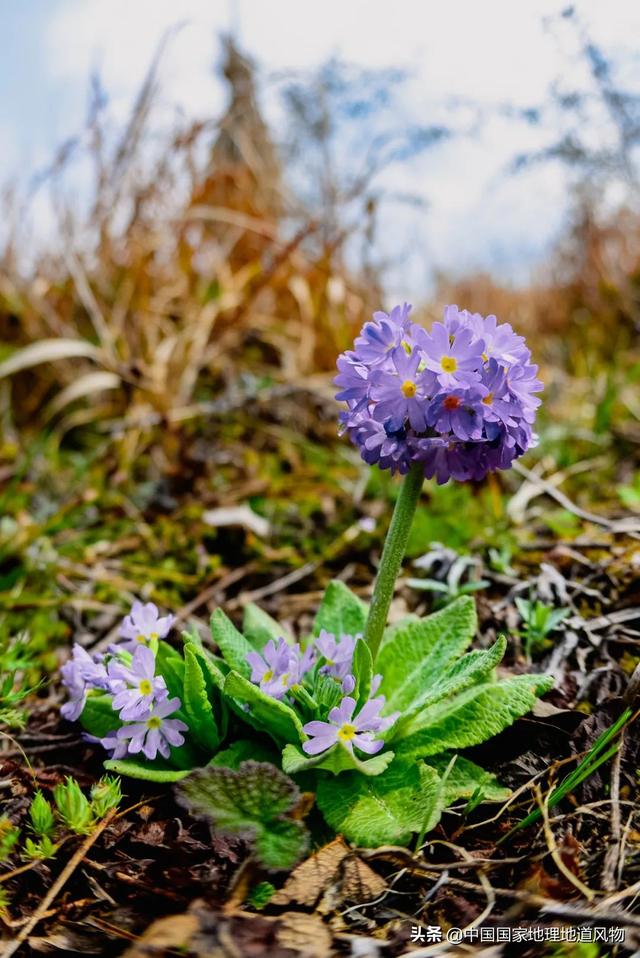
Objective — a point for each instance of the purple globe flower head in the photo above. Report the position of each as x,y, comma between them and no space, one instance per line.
350,731
138,686
80,674
144,624
455,358
400,391
338,653
460,399
277,669
154,731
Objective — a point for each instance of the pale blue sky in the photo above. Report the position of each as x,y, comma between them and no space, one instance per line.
491,51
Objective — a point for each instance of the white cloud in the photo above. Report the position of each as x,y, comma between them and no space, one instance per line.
494,51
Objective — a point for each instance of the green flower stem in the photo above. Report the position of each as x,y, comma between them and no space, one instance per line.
392,555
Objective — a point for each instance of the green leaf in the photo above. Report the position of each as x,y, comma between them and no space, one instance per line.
254,802
473,668
384,810
243,750
474,716
98,717
170,665
259,627
337,759
212,666
197,705
413,655
147,772
265,713
465,779
341,612
232,644
362,668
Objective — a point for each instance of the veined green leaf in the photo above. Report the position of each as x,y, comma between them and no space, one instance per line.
232,644
243,750
337,759
255,802
170,665
197,705
264,712
258,627
465,779
387,809
473,668
474,716
414,655
341,612
98,717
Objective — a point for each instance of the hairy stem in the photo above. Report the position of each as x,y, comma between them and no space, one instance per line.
392,555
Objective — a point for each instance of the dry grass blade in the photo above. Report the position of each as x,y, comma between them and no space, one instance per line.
48,351
86,385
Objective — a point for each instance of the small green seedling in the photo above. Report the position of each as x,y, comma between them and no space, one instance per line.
539,620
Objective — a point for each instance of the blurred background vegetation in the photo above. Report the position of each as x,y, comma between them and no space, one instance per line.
167,422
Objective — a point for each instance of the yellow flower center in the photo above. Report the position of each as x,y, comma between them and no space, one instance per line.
142,639
154,722
485,358
488,399
285,679
268,675
346,732
449,364
146,687
409,389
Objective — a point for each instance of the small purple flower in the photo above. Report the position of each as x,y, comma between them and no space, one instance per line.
379,445
379,338
80,674
139,687
401,391
144,624
500,341
154,732
499,405
458,411
353,380
277,669
338,653
348,684
110,742
455,358
352,732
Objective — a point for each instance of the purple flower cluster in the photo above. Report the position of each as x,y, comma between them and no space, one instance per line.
282,666
129,675
459,399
